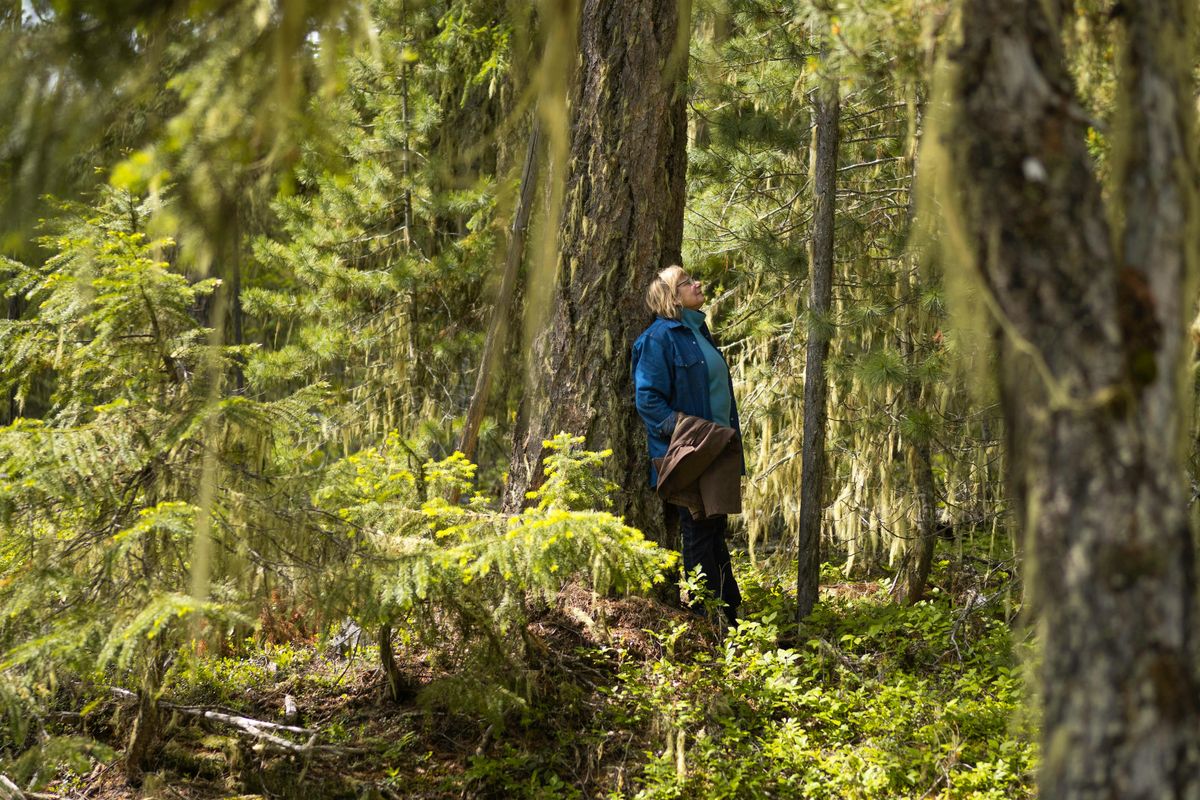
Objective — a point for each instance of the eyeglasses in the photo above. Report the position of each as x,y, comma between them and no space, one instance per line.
688,282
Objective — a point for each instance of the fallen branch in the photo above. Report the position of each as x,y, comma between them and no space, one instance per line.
253,727
10,791
244,723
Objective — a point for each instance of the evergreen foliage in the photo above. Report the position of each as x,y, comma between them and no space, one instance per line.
373,278
428,568
893,383
236,359
99,496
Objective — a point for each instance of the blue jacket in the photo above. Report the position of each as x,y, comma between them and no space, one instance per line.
669,375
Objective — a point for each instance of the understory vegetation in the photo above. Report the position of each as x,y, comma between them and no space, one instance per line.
321,474
622,698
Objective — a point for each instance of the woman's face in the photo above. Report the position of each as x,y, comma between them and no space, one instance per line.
690,293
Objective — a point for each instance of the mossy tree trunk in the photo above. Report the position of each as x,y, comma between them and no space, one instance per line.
1092,349
913,571
622,221
146,733
826,115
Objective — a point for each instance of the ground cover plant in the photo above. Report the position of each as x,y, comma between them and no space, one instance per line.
627,698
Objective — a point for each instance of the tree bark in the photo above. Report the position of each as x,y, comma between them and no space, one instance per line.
820,294
1091,349
399,687
235,291
913,572
622,221
145,735
13,312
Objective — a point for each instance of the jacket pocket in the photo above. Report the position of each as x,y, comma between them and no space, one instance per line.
684,359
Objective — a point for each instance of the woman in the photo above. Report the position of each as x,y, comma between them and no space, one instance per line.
678,369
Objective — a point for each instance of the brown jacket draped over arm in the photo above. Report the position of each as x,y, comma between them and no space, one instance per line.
702,469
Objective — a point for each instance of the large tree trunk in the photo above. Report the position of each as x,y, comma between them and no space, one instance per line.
1091,350
622,221
820,293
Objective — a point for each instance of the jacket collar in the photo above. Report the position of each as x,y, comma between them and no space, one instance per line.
673,323
680,325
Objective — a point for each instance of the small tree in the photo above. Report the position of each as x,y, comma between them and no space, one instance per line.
100,497
460,577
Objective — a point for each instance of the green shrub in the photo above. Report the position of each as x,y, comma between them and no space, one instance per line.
461,577
877,701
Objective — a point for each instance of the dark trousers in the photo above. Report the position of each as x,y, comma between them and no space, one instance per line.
704,546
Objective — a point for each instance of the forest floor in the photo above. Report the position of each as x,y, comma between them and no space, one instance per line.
620,698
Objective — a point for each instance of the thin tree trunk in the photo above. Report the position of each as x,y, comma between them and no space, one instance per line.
1092,350
144,738
406,155
722,29
913,572
399,687
13,308
622,221
820,294
235,290
497,333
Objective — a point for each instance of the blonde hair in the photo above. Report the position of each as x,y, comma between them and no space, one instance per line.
662,296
